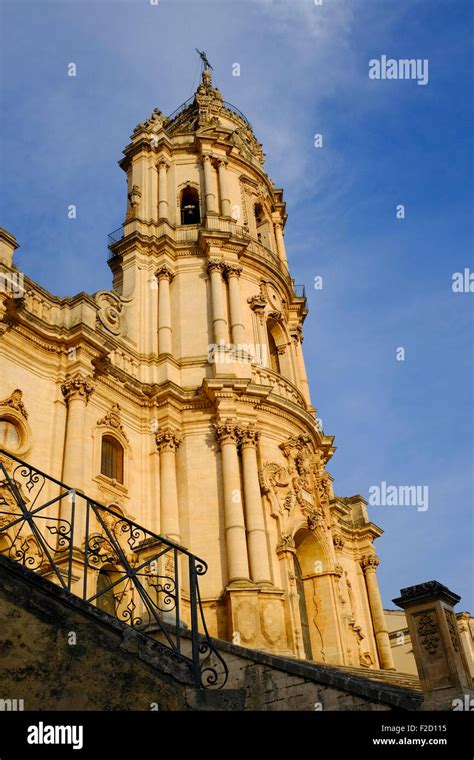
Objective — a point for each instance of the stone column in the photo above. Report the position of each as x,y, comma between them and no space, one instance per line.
236,541
464,623
258,305
223,187
233,272
209,186
280,243
440,658
164,276
369,564
167,443
76,391
215,268
256,534
302,377
163,167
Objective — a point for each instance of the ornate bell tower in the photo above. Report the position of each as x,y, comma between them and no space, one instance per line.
209,347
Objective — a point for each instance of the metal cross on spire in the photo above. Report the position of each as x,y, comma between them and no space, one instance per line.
205,63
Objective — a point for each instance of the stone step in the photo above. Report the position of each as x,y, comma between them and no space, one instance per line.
389,677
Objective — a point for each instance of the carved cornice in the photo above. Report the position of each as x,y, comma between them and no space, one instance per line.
14,401
167,440
78,386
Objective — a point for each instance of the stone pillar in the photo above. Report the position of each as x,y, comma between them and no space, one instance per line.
215,268
167,443
236,541
464,628
164,276
237,327
440,657
163,167
209,186
256,535
369,564
76,391
302,378
280,242
223,187
258,305
8,246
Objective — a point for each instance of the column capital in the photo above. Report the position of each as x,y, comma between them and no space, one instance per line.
233,270
206,157
163,163
78,386
369,562
227,432
222,163
249,436
296,334
214,265
167,440
164,272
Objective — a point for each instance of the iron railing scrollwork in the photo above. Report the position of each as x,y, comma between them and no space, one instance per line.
100,555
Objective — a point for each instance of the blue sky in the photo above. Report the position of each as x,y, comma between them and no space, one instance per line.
386,281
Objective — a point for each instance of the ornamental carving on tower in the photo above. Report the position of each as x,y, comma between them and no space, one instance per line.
301,489
113,419
110,307
133,203
15,401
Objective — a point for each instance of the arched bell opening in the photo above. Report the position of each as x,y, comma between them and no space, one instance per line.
189,206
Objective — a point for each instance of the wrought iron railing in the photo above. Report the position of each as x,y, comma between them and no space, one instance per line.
300,291
109,561
190,233
115,236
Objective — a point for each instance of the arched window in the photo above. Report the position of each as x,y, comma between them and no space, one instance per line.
272,347
9,435
106,600
111,461
190,206
263,233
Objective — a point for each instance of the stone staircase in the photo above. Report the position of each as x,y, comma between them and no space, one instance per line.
390,677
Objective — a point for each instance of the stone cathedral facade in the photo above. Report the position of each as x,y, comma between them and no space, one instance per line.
180,395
